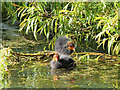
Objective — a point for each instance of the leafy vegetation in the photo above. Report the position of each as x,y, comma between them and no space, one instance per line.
80,20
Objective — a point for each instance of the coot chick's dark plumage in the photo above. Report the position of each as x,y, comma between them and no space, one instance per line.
62,62
64,46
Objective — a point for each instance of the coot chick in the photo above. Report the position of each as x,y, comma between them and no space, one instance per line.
62,61
64,46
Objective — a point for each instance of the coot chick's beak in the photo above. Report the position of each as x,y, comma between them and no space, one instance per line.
71,48
71,45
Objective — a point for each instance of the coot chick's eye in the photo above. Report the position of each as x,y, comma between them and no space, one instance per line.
71,44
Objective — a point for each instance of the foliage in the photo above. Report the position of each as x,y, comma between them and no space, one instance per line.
109,32
7,10
4,54
82,20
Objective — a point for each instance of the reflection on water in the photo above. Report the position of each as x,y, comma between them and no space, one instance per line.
36,74
40,75
12,38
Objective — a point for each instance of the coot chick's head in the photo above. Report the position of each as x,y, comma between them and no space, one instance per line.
55,64
64,46
56,57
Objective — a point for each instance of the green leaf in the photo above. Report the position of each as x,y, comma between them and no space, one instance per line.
23,12
20,11
110,43
115,48
23,16
102,18
35,29
52,25
104,40
107,32
14,18
99,35
99,23
32,24
118,49
28,26
22,26
35,32
66,6
61,11
55,26
71,19
40,28
17,10
45,29
48,28
23,22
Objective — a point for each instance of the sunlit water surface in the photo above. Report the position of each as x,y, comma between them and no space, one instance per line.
38,74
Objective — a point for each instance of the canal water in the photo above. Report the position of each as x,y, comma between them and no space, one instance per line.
38,74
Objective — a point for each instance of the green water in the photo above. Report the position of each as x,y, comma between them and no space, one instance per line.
35,74
38,74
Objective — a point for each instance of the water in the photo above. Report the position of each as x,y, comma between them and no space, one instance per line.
38,74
